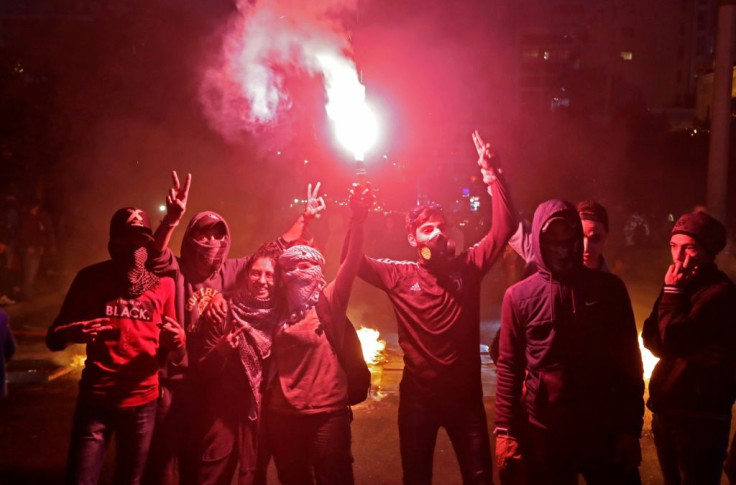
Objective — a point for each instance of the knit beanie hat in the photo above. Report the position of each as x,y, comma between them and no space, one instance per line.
708,231
590,210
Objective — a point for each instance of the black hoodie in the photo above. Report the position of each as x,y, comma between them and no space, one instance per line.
572,339
194,289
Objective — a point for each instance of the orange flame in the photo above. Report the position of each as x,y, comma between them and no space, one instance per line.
373,347
647,359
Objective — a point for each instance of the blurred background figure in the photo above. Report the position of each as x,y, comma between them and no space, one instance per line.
35,238
7,349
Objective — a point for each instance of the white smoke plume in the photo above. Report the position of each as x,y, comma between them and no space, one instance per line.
243,91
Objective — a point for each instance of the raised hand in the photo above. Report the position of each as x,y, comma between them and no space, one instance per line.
679,274
361,199
487,157
176,200
172,335
315,203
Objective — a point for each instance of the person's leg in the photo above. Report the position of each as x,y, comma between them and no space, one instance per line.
161,462
264,453
91,433
548,457
467,428
330,449
418,425
248,445
31,263
597,455
187,406
219,448
133,429
666,446
289,438
702,445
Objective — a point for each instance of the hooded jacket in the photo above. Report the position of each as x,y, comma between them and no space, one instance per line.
682,326
194,291
571,339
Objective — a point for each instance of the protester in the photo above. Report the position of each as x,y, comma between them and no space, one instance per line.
35,238
594,218
202,275
233,367
691,329
308,418
568,336
437,305
7,349
9,222
125,315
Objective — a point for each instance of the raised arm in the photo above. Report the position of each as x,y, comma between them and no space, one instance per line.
504,220
176,206
361,199
315,205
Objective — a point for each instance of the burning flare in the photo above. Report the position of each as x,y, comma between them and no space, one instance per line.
354,123
373,347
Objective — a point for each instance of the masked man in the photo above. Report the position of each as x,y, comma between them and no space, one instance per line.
568,336
437,305
125,315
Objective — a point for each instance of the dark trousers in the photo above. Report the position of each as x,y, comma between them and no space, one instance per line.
91,432
311,447
230,441
168,460
556,458
690,450
465,422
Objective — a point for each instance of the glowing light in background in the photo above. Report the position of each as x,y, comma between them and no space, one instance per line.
373,347
647,359
354,123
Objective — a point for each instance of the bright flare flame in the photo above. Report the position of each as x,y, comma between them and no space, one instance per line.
647,359
372,345
354,123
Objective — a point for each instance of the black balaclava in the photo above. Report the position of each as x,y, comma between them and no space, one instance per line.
130,235
202,260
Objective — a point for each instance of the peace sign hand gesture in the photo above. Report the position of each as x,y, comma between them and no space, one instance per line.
315,203
176,200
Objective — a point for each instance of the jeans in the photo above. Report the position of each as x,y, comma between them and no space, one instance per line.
465,422
311,446
93,426
690,450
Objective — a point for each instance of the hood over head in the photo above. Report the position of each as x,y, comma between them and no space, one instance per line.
202,259
545,213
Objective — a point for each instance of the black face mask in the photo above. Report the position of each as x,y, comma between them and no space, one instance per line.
437,251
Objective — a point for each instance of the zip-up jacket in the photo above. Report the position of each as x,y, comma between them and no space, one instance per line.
571,339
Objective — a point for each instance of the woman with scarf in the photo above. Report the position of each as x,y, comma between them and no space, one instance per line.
307,416
233,368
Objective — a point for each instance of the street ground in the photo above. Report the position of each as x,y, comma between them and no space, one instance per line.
35,419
